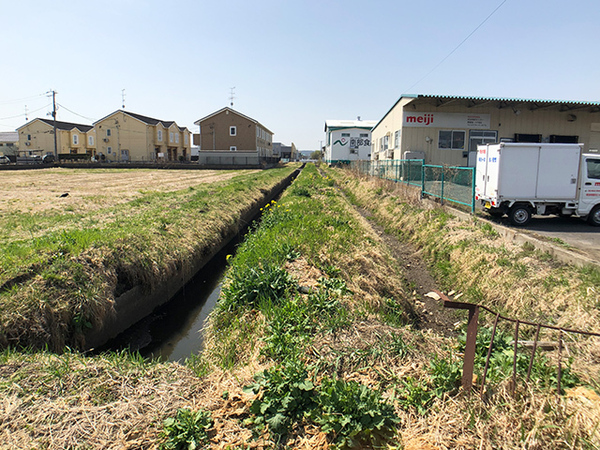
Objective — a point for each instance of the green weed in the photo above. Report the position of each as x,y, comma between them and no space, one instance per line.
187,430
353,414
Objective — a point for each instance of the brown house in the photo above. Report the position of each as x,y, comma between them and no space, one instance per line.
227,130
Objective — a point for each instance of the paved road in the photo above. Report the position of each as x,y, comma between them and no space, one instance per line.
573,231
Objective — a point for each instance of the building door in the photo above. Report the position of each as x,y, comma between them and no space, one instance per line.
477,137
594,143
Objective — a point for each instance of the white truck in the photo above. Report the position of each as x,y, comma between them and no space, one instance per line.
523,179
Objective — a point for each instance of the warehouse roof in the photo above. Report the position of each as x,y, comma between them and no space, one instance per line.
499,102
338,124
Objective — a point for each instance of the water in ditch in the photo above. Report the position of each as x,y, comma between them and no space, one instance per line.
173,331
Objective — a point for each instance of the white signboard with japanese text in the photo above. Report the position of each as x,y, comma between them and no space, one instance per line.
446,120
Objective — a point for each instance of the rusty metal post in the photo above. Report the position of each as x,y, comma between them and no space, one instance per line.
516,339
469,363
559,361
489,353
537,335
469,357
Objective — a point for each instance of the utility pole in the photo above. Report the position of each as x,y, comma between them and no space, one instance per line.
54,118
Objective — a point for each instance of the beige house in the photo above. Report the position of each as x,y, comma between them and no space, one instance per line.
447,129
127,136
37,138
228,130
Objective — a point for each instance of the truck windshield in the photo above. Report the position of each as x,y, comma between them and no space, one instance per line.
593,168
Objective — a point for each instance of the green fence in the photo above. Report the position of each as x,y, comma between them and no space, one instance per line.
453,184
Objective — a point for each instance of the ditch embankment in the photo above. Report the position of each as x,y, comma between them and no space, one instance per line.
137,301
97,250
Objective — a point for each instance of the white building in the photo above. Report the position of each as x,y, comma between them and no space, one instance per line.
447,129
347,140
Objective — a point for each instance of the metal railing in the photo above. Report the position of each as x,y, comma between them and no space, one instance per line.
453,184
470,347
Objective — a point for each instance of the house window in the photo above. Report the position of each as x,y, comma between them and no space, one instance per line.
75,139
177,138
345,134
109,150
397,139
186,138
28,137
364,135
233,131
108,131
91,141
159,135
171,136
451,139
233,148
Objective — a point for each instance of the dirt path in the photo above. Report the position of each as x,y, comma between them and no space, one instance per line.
432,314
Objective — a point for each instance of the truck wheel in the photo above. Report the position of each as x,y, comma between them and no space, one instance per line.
520,215
594,217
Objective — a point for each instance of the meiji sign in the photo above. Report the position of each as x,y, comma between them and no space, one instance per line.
446,120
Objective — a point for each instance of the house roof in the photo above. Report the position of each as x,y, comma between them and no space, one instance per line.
499,102
197,122
62,125
145,119
9,136
339,124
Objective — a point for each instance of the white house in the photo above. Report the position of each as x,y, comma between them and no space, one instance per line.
347,140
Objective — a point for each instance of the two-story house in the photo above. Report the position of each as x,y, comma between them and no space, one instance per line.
127,136
228,130
37,137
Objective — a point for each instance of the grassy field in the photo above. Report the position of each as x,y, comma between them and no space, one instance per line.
314,344
63,259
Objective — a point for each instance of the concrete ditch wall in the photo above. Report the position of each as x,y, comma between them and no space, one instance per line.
136,303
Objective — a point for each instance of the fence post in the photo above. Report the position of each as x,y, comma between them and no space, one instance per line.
473,191
470,347
422,178
442,193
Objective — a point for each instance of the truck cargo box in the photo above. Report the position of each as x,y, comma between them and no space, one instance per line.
527,171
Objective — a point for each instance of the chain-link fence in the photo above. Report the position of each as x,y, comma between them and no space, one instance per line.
453,184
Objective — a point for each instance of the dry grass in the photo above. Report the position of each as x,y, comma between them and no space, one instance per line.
39,190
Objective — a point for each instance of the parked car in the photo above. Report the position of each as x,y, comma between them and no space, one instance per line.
48,159
4,160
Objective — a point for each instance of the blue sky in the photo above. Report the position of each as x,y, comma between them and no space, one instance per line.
293,64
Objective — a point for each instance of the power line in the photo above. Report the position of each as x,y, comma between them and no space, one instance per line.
73,112
19,100
457,47
25,114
